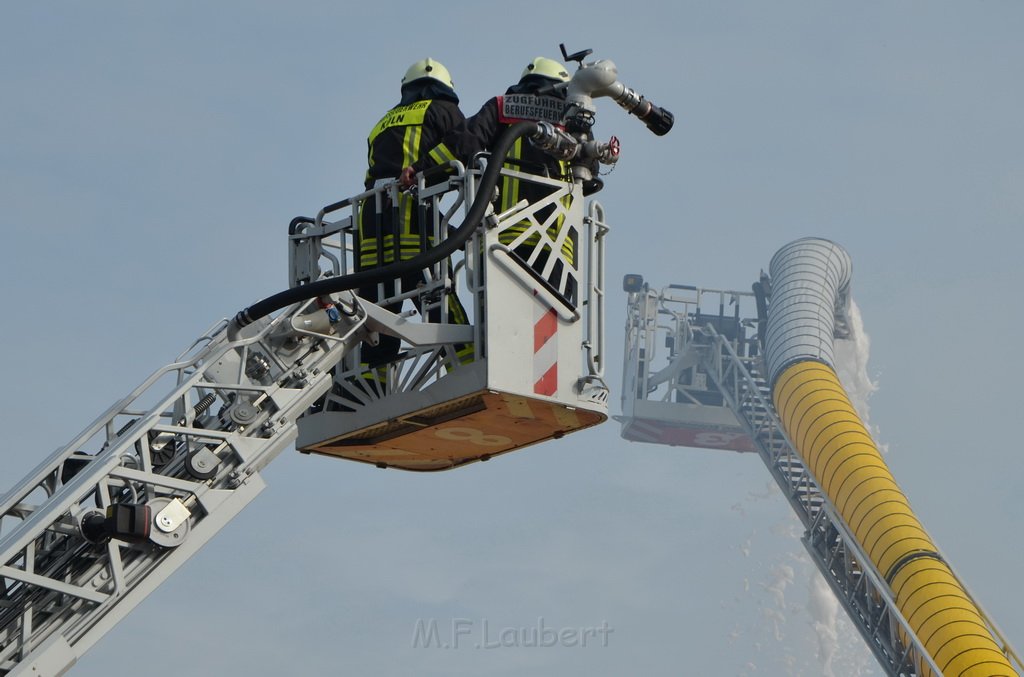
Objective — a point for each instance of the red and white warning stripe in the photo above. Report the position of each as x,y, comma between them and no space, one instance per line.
545,350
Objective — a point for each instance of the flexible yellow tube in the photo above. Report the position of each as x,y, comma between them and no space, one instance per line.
838,451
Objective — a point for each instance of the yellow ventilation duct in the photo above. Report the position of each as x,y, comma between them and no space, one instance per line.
809,293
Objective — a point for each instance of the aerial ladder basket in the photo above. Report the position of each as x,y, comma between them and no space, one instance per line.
757,373
524,365
528,364
670,392
103,520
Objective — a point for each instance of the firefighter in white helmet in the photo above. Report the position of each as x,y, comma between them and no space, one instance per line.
535,97
428,109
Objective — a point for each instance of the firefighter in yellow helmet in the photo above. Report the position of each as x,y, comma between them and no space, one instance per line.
534,97
428,109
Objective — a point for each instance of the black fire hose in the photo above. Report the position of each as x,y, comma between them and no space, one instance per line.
397,270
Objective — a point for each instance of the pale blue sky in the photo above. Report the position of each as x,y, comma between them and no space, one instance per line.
153,155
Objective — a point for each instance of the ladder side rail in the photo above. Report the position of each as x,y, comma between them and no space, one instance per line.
883,639
772,457
810,491
90,630
70,634
157,478
44,476
777,453
115,577
52,464
187,372
743,394
861,595
109,575
99,466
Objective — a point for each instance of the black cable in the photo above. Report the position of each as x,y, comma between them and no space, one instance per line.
395,271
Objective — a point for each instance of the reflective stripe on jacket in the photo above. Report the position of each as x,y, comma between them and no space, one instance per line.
398,140
479,133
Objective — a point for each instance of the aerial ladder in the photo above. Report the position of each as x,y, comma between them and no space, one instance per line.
754,372
105,519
